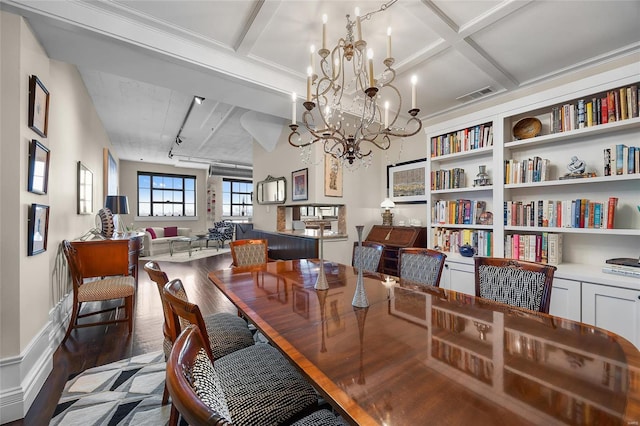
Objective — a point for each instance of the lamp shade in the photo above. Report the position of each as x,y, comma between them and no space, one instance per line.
387,204
118,204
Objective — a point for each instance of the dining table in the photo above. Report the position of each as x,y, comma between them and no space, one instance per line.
410,354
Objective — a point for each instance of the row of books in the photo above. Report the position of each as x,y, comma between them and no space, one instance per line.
615,105
461,211
475,137
579,213
621,159
534,169
448,240
545,247
468,362
447,179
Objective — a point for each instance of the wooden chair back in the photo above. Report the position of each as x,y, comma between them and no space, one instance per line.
160,278
422,266
249,252
368,257
515,282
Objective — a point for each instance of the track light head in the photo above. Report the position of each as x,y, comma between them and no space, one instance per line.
198,99
171,153
178,140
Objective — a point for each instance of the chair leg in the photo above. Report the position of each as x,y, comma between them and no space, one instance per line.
128,301
72,321
173,418
165,395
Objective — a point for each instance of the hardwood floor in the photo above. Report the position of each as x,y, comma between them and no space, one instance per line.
93,346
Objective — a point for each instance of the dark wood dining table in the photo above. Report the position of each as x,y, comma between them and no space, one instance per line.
424,355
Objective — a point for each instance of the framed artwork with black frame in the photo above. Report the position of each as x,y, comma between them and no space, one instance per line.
38,106
38,181
85,189
300,185
407,181
38,229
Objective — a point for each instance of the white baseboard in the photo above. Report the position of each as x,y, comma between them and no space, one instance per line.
22,376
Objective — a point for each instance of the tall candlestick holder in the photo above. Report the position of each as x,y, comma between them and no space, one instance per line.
360,296
321,281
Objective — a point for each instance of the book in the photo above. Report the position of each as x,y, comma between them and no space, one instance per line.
611,212
554,249
620,150
621,270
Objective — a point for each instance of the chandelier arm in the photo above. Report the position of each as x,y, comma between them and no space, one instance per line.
411,133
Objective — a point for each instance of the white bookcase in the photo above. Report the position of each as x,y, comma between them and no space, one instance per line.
584,249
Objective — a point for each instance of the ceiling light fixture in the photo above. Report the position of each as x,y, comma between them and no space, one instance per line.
345,126
196,100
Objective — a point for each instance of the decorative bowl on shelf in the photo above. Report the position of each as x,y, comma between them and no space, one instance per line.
526,128
466,250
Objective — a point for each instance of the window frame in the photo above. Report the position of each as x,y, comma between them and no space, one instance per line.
183,203
231,194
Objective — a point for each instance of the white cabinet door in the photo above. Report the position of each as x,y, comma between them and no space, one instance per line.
565,299
458,277
612,308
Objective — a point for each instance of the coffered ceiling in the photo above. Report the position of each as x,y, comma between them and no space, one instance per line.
143,61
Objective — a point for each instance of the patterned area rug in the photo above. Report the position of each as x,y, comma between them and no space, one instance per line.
183,256
126,392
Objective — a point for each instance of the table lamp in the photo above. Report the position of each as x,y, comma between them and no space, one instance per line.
118,204
387,216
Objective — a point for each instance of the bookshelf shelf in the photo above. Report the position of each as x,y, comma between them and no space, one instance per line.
460,226
600,231
465,154
582,181
488,188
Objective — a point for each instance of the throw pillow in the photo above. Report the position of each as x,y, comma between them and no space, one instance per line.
171,231
152,232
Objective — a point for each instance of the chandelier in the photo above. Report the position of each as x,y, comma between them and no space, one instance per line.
349,127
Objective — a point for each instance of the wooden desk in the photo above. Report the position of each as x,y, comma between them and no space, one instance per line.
418,356
114,256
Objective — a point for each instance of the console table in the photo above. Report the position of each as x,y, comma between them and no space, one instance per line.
113,256
394,238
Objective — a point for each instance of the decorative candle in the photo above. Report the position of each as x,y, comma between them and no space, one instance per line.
293,108
414,80
386,115
312,60
324,31
389,42
370,56
358,27
309,74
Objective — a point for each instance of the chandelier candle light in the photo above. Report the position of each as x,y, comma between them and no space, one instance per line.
344,125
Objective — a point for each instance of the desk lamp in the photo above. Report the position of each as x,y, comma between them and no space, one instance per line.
387,216
118,204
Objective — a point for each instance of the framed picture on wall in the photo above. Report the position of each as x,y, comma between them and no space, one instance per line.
38,106
407,182
332,176
110,178
38,181
300,185
85,189
38,229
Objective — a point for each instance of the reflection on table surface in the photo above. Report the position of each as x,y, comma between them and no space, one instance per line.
420,353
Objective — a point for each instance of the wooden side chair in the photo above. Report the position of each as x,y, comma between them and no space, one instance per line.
258,383
422,266
97,290
368,257
199,390
249,252
515,282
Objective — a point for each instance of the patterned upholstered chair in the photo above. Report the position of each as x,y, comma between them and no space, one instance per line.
222,231
421,266
108,288
258,384
249,252
228,332
200,390
514,282
368,257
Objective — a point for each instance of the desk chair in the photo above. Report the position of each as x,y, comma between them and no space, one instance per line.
97,290
514,282
249,252
368,257
422,266
256,384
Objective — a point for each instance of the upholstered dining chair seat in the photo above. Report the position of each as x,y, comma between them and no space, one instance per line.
106,289
227,333
320,418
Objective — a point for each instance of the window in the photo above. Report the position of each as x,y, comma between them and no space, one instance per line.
237,197
162,194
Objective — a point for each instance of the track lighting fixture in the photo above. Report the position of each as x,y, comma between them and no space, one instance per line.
198,99
171,153
178,140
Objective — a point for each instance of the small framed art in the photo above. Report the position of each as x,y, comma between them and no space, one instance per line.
407,182
38,229
85,189
38,168
332,176
38,106
300,185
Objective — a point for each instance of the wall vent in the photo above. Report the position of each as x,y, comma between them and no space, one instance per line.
475,94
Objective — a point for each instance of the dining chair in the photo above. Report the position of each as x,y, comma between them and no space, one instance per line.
249,252
422,266
97,290
228,331
259,384
200,391
368,256
514,282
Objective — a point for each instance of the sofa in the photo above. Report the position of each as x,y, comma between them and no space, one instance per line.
155,241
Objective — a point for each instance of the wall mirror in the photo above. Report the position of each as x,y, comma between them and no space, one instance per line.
272,190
